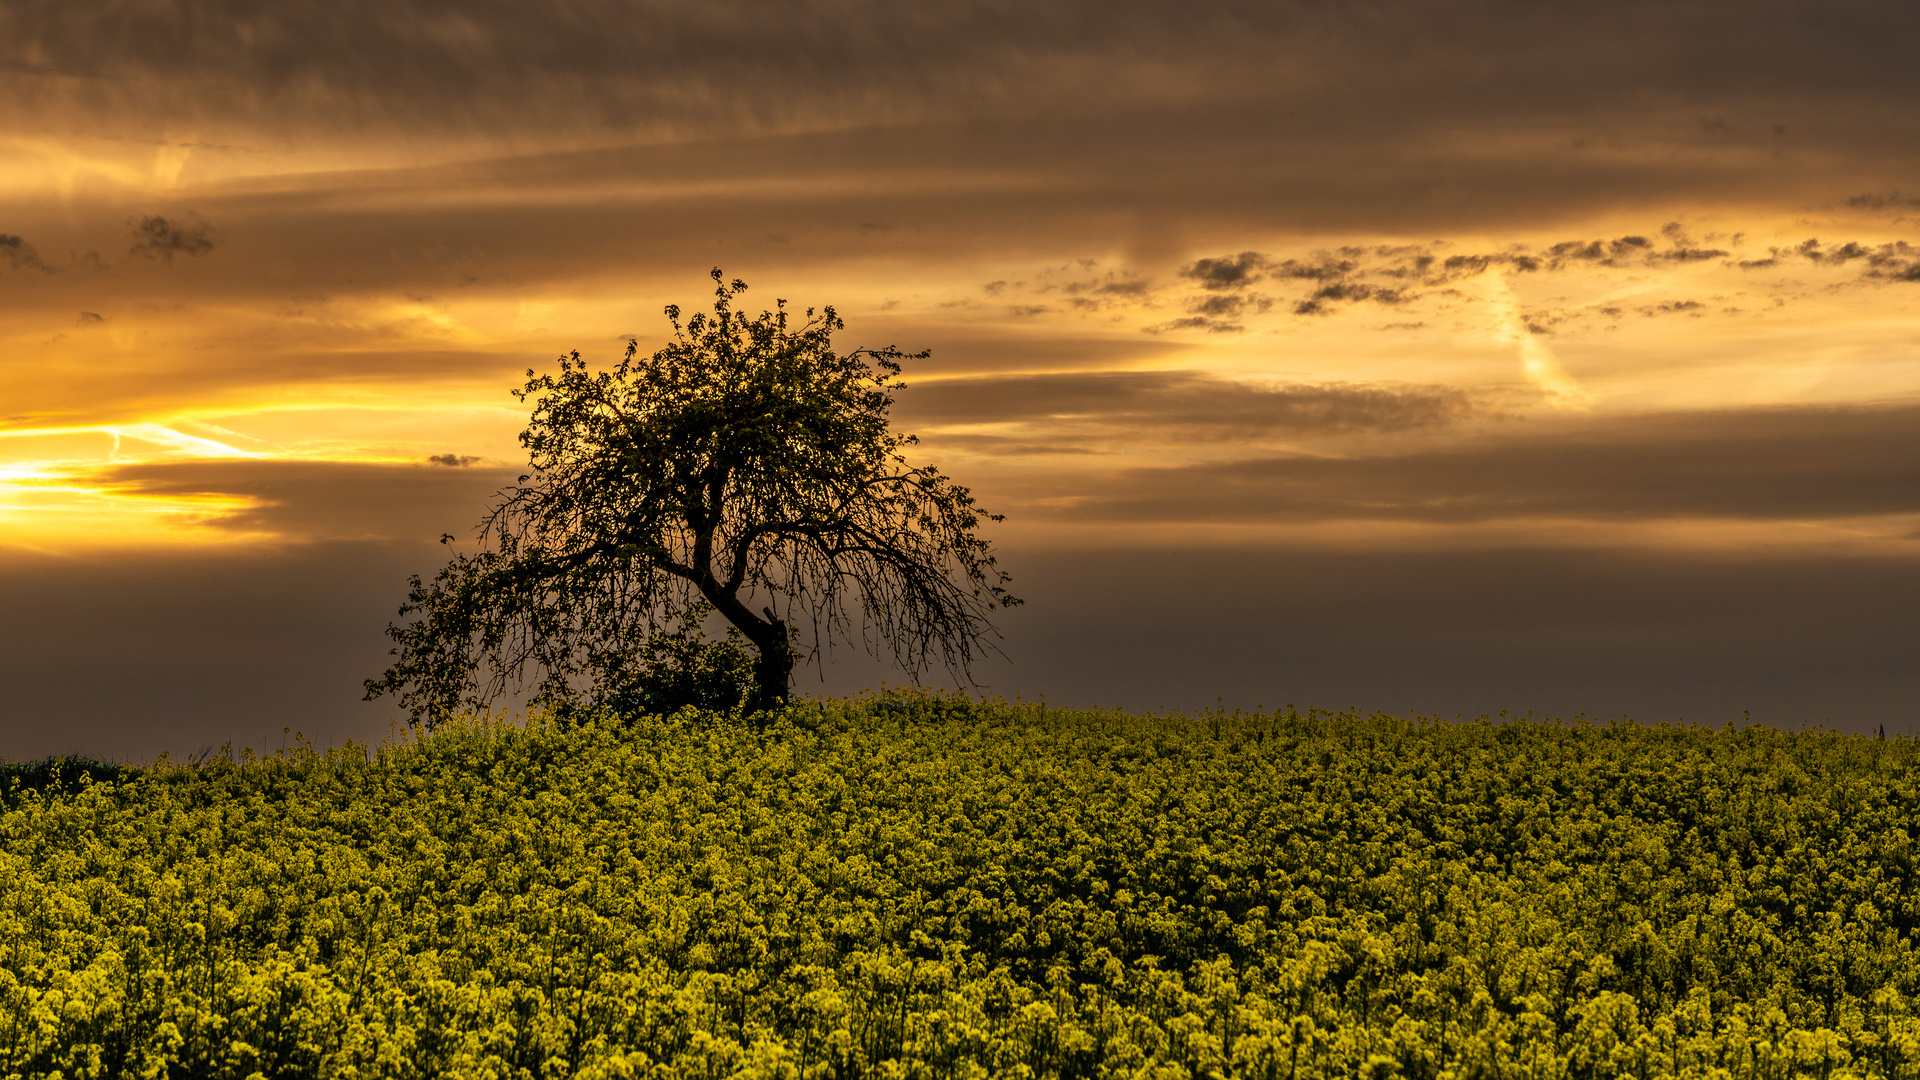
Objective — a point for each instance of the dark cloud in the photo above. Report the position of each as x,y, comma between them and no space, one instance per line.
1398,274
1897,261
324,500
1842,254
1687,254
157,237
1338,277
1583,250
1226,271
1193,403
1672,307
1784,464
1681,247
89,318
1195,322
1086,291
1382,274
456,461
1455,267
1893,261
1323,267
1346,292
1887,200
21,255
1228,306
1218,305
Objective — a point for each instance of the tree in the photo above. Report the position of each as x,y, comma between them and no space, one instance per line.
746,468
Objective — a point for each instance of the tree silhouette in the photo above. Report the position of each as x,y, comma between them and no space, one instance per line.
746,468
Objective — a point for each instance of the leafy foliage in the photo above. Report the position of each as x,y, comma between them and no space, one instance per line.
678,669
927,886
747,466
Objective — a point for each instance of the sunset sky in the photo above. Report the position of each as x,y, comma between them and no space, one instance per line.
1437,358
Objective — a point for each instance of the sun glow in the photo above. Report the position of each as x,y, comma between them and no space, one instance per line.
57,487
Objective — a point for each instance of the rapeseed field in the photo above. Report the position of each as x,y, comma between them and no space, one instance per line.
916,885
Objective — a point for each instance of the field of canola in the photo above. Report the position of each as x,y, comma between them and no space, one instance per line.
924,886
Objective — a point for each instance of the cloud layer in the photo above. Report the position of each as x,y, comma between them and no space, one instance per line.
322,500
1293,114
1182,404
1765,465
1425,59
139,653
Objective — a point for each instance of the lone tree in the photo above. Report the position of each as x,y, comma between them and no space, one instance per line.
746,469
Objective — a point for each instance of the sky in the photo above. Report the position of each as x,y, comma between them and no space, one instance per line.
1435,358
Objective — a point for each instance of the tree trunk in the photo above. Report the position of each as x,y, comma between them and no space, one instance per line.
773,671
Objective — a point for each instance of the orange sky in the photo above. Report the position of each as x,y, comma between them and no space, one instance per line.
1623,285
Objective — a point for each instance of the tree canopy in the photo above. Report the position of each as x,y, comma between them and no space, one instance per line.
748,469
